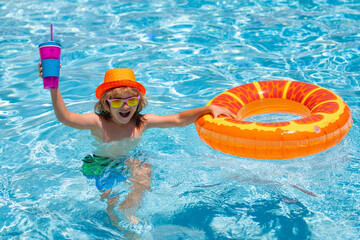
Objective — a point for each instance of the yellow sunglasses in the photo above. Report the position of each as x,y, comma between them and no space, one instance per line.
118,103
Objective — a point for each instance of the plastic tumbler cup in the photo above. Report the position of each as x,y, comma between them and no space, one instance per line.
50,61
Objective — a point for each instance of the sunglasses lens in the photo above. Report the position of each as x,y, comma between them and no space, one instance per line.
117,103
132,102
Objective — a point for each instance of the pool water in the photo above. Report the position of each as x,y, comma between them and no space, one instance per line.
185,53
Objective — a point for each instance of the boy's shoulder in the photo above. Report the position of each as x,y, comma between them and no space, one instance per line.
150,117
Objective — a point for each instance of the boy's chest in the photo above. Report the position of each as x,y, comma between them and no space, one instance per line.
112,132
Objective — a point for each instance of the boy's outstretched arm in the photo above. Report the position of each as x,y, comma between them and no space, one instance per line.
74,120
184,118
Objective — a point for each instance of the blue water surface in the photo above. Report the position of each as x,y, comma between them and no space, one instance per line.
185,53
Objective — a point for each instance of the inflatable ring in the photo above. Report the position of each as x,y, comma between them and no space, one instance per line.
326,120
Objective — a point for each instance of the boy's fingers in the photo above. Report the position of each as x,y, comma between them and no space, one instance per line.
40,69
230,114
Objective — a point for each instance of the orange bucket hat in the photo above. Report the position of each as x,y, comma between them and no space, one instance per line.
119,77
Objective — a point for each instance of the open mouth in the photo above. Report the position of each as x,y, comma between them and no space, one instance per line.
124,114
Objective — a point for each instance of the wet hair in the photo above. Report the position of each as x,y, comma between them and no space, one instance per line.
102,107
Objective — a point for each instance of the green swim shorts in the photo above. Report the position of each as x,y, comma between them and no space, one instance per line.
106,171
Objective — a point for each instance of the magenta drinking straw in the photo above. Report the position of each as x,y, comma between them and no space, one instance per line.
51,32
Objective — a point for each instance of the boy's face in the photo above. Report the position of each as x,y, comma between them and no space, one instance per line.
123,114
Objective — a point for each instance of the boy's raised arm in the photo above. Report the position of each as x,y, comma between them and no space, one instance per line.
74,120
71,119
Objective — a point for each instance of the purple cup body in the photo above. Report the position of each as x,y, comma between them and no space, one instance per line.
50,53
